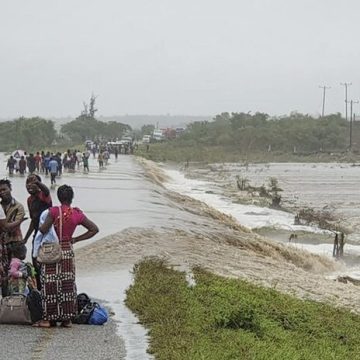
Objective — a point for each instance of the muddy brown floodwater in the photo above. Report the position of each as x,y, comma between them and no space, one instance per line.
139,217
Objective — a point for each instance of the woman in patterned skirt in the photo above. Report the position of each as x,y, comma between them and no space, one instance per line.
58,288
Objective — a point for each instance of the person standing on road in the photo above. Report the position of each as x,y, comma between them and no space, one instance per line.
31,163
53,168
101,160
11,235
58,288
85,161
22,165
4,227
11,165
38,201
37,161
46,162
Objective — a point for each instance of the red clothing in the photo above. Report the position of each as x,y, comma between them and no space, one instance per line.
58,280
37,159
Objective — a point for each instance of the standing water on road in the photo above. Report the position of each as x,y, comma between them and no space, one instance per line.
116,198
133,213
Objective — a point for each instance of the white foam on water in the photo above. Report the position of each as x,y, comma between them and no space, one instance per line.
250,216
255,217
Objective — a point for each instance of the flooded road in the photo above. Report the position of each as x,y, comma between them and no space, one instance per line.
116,198
143,210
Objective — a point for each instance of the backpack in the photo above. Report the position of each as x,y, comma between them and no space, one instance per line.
34,303
83,316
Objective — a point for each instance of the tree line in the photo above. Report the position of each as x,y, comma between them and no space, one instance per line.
260,132
242,132
36,133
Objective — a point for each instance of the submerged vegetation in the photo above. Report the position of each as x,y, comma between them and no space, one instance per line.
220,319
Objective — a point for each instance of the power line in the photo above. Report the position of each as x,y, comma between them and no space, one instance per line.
351,121
345,84
323,101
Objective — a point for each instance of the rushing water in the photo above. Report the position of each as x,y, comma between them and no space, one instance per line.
332,186
121,197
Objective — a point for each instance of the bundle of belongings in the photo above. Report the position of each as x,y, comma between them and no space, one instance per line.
89,312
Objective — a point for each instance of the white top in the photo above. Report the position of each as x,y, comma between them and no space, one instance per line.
2,214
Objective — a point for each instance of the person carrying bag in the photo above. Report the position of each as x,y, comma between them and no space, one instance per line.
47,249
58,287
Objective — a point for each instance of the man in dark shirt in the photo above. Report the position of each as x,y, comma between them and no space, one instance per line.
38,201
31,163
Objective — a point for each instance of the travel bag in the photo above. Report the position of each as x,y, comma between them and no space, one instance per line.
14,310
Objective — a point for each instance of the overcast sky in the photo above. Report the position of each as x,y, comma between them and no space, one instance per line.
198,57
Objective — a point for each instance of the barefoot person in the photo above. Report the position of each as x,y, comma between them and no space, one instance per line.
58,287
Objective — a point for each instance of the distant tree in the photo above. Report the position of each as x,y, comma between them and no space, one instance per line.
92,109
248,133
86,126
147,130
26,133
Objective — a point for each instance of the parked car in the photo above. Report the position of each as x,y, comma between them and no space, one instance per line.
146,139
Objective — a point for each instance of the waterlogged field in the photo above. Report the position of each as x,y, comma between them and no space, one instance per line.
331,186
220,318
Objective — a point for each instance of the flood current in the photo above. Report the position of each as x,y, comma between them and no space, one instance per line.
126,197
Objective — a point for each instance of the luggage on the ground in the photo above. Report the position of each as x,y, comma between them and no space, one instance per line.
34,303
83,316
14,310
98,316
89,312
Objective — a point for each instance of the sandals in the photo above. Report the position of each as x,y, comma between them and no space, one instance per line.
66,324
42,324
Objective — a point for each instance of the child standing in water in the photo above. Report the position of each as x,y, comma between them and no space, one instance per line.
18,272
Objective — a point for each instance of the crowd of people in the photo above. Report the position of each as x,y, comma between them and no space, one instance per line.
54,164
48,163
55,281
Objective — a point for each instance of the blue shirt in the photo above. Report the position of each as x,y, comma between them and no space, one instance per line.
53,166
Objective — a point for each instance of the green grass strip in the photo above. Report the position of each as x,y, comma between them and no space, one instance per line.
222,318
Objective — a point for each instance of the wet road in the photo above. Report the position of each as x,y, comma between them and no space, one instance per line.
116,198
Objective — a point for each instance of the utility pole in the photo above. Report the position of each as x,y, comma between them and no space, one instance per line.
345,84
351,121
323,102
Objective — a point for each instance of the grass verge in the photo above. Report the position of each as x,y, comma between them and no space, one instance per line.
220,319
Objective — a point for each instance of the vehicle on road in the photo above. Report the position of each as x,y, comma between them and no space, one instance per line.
146,139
